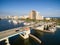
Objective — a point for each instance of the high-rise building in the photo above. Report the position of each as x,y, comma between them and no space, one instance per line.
38,16
32,14
35,15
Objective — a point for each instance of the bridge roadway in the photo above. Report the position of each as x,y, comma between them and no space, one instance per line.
11,32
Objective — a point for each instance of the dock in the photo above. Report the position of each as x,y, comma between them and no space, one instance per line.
5,35
35,38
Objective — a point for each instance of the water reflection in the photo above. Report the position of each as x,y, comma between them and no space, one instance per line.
26,42
46,38
17,40
49,38
39,33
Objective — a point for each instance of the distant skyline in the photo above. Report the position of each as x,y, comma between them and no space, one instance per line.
47,8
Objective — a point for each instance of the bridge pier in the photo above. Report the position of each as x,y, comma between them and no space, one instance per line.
25,34
7,41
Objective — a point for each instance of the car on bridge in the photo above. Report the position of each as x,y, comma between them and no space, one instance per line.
17,30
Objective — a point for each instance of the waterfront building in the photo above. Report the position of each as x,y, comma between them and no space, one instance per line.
22,17
38,16
35,15
32,14
15,17
47,18
8,17
12,17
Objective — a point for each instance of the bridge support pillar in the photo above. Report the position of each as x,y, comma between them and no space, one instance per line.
26,33
7,41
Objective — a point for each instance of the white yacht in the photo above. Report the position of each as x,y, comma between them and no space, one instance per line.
45,28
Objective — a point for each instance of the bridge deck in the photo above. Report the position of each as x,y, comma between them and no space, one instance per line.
10,32
7,33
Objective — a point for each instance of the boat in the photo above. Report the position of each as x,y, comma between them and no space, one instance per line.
25,23
45,29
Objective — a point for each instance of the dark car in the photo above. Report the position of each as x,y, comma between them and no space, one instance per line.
17,30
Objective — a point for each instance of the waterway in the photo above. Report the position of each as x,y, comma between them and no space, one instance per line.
5,24
49,38
46,38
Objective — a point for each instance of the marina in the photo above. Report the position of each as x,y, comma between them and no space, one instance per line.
46,27
25,32
29,22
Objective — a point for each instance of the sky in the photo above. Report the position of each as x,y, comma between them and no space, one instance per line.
47,8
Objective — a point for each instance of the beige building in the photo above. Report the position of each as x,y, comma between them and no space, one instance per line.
38,16
24,17
15,17
32,14
35,15
12,17
47,18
